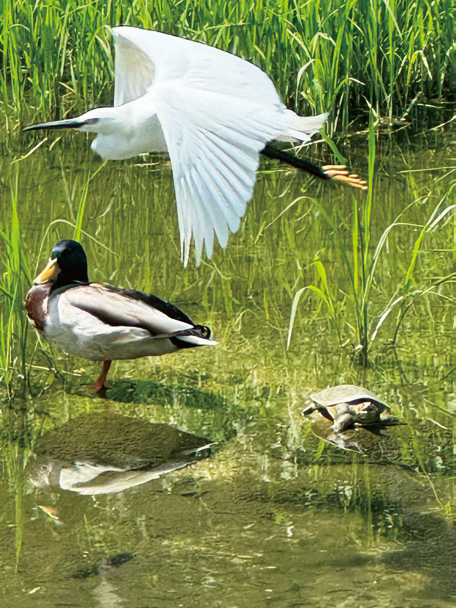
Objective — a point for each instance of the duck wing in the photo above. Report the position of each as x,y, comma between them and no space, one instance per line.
217,112
117,307
162,305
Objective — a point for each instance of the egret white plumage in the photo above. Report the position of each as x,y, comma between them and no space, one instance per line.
212,112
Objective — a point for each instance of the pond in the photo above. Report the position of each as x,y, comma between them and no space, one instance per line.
277,514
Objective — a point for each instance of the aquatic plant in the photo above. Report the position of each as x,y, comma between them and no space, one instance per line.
13,324
16,358
358,311
340,56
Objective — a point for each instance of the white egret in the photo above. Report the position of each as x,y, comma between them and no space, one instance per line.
212,112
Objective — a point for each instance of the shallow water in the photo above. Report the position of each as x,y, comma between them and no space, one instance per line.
277,515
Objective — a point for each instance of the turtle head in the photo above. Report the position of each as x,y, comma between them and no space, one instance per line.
368,412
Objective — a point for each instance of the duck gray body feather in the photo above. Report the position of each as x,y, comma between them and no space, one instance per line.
100,322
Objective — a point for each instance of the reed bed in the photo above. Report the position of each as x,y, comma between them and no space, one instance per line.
15,275
341,56
357,59
359,310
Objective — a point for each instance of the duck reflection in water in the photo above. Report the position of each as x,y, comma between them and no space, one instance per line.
106,453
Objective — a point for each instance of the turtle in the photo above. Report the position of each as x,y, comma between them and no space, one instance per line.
349,405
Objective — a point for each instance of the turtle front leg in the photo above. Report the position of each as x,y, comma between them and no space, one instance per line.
325,413
100,383
343,422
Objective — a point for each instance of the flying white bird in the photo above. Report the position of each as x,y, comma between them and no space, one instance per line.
212,112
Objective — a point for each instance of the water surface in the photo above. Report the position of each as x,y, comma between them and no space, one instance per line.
277,515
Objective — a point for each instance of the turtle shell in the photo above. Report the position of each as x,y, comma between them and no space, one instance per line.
346,393
348,405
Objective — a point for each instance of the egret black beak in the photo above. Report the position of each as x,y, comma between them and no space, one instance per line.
68,123
50,273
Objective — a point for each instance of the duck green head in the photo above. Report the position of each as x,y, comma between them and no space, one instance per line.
67,265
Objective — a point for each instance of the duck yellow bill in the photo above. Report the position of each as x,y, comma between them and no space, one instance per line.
49,273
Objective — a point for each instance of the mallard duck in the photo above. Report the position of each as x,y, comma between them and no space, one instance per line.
101,322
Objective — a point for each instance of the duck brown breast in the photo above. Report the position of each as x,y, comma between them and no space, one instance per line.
36,304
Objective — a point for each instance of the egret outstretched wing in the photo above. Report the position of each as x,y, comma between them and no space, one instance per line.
133,68
217,112
214,144
145,58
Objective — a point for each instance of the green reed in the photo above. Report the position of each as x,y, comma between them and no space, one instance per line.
56,57
15,279
15,273
357,311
